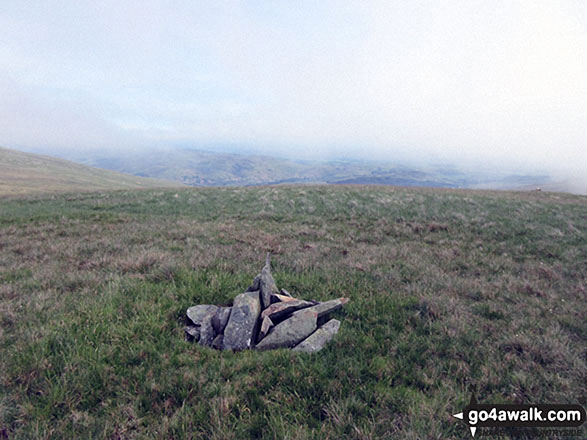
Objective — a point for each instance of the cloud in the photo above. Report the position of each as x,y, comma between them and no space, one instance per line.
33,119
444,80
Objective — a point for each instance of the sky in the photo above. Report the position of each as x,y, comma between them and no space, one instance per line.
500,82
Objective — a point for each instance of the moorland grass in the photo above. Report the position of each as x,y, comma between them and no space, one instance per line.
448,289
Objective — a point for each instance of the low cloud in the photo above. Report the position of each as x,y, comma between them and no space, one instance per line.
466,81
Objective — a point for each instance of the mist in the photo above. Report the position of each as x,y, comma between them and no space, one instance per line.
467,82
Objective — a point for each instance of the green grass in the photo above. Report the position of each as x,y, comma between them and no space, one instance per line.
25,173
448,288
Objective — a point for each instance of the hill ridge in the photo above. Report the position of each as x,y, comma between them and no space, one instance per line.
22,172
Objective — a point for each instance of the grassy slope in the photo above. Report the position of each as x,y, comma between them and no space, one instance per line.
25,173
448,288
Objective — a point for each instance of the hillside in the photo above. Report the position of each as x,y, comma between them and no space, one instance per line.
447,288
32,173
206,168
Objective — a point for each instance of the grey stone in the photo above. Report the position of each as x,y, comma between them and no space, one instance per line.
207,332
267,284
217,343
317,340
276,297
196,314
327,307
291,331
191,333
242,323
285,292
280,309
220,319
255,286
266,325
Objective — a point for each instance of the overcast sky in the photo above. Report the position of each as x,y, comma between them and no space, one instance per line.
443,80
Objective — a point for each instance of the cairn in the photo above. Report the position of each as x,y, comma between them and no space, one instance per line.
264,318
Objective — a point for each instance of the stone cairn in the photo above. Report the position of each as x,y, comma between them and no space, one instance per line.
264,318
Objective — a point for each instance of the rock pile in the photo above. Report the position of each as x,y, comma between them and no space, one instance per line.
264,318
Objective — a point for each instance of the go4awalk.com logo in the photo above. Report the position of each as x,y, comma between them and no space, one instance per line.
478,415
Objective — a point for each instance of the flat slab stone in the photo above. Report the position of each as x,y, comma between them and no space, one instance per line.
242,323
266,325
276,297
285,292
291,331
317,340
220,318
196,314
280,309
327,307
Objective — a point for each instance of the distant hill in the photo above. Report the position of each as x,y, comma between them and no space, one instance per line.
31,173
205,168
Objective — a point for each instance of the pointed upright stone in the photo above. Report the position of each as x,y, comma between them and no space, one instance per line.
256,283
267,284
291,331
240,330
317,340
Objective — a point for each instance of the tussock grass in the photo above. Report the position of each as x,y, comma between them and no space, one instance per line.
447,288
